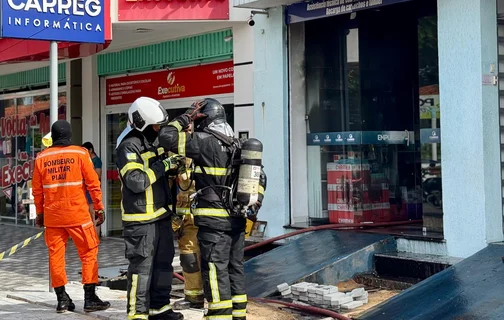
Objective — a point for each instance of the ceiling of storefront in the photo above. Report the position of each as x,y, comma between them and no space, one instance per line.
127,35
263,4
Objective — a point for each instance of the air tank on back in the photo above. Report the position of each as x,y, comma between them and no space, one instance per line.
250,172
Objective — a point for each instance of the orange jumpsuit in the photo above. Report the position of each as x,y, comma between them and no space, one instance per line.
60,177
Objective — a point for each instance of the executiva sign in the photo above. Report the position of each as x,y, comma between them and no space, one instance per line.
310,10
54,20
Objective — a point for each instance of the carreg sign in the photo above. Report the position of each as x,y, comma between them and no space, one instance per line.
54,20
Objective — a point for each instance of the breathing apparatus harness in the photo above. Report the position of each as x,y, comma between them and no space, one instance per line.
227,191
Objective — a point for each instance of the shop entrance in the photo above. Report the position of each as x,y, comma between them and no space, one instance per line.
116,122
372,117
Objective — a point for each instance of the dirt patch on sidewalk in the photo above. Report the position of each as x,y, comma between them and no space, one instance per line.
256,311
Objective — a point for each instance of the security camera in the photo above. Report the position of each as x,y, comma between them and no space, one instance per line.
251,21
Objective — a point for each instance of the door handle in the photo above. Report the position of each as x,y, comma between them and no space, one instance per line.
407,137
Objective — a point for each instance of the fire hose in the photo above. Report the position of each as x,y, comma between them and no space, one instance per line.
311,309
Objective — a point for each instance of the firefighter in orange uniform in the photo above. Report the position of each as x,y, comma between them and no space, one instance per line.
61,174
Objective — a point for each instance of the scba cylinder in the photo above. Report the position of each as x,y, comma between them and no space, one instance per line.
250,172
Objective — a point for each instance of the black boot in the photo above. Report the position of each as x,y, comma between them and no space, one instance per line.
168,315
91,300
190,302
64,301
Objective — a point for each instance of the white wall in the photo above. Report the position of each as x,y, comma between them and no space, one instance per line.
243,53
298,148
90,102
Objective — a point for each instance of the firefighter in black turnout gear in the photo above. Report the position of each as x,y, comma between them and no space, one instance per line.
146,216
221,232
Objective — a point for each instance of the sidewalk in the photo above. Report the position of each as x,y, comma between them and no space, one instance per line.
39,295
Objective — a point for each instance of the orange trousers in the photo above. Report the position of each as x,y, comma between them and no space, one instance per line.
85,240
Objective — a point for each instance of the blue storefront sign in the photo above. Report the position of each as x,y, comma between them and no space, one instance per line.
316,9
54,20
361,137
430,135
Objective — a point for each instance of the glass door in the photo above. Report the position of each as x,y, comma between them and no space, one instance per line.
115,124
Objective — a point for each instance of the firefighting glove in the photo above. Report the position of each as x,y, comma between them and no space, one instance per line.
253,210
175,164
39,220
99,217
178,225
194,112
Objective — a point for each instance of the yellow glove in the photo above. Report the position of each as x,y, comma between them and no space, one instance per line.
47,140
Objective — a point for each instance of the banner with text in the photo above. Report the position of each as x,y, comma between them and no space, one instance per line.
316,9
204,80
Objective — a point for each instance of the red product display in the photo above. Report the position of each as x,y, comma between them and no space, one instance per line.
351,196
209,79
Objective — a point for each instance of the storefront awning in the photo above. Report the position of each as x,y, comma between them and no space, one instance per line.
15,50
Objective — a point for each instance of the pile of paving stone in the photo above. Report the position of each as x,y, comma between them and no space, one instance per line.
327,297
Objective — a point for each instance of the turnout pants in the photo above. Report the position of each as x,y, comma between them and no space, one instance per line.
223,273
149,250
190,260
86,241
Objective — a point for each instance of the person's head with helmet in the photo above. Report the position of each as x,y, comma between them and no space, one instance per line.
209,114
147,115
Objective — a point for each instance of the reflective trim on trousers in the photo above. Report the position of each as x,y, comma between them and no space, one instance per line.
226,304
193,293
214,285
211,212
183,211
240,313
153,312
132,300
240,298
226,317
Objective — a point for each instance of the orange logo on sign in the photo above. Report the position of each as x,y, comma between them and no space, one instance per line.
170,78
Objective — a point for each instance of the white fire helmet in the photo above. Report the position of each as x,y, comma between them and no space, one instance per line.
145,112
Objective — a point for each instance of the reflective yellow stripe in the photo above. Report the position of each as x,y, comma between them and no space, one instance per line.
132,299
240,313
160,151
176,124
149,197
131,156
240,298
13,250
181,143
129,217
138,316
214,285
193,292
131,166
210,212
261,190
151,175
219,317
153,312
25,243
220,305
183,211
213,171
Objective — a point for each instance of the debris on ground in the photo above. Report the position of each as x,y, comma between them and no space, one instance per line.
257,311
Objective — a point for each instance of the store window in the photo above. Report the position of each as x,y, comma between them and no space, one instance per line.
372,109
24,120
116,123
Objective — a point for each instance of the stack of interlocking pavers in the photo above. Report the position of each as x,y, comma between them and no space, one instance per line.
323,296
